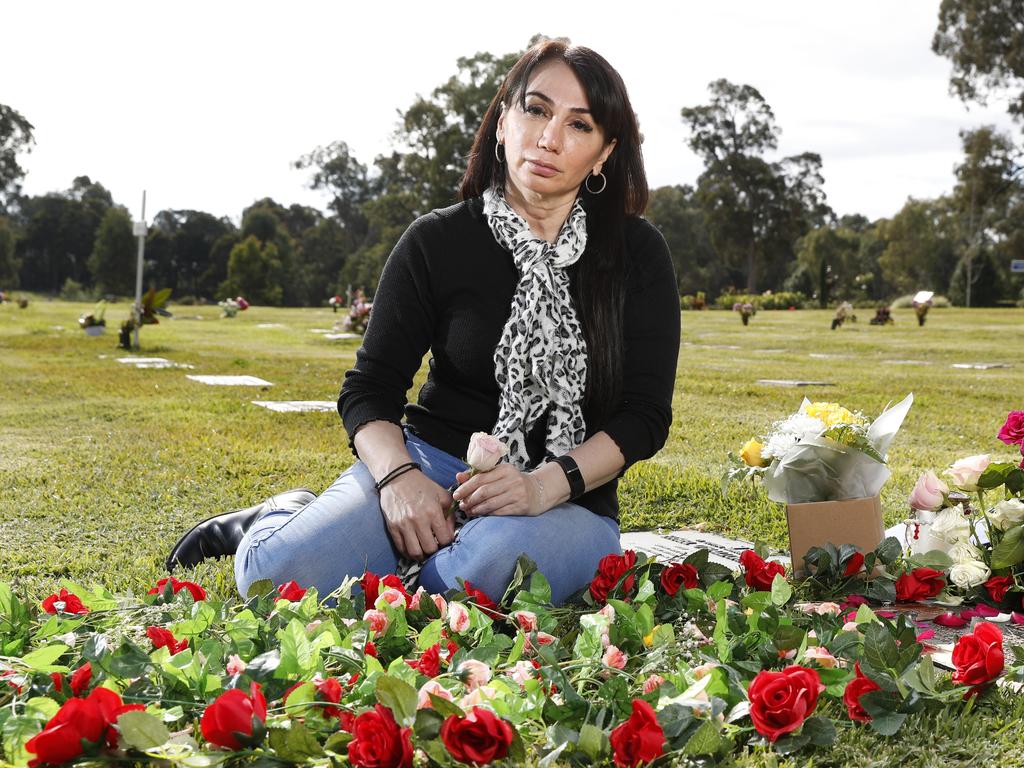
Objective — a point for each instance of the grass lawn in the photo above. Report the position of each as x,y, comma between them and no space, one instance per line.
103,465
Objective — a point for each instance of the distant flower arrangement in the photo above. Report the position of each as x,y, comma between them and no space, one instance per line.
93,322
358,316
232,307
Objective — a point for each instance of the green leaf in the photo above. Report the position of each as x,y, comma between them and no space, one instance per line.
398,696
444,707
260,588
142,731
885,722
934,558
297,656
42,707
705,740
880,648
295,744
41,659
338,742
592,741
1010,551
820,730
428,724
995,475
719,590
787,637
889,550
792,743
781,590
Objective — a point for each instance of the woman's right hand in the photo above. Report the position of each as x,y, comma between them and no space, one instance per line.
414,509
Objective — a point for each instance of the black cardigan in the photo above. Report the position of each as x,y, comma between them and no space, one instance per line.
447,287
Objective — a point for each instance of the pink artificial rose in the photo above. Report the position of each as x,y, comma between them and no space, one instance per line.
821,655
521,672
614,658
473,673
965,473
458,617
929,492
390,596
652,683
1012,432
527,620
428,688
235,665
378,621
484,451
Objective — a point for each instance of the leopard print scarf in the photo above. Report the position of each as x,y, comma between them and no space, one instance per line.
540,363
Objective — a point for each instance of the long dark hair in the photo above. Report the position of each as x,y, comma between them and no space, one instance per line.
599,289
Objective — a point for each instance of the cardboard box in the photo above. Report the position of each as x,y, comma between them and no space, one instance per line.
852,521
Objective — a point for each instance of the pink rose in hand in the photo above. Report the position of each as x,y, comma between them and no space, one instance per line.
485,451
929,492
965,473
1012,432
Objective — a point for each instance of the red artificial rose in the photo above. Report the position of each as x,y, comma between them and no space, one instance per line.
161,638
854,565
781,701
978,657
329,691
919,584
230,719
998,586
90,719
71,602
290,591
482,600
639,739
370,584
609,571
197,592
856,688
429,663
1012,432
378,742
80,679
369,649
760,574
678,575
478,738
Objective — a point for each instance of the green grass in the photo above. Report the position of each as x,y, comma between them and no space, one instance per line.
102,466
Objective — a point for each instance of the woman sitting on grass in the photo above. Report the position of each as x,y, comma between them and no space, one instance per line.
551,312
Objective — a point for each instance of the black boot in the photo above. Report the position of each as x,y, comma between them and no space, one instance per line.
220,535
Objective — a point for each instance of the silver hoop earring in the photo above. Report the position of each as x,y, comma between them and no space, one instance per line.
499,158
604,183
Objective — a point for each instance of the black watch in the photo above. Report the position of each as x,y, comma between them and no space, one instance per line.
577,486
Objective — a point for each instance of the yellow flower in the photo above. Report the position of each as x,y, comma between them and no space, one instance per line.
649,640
832,414
751,454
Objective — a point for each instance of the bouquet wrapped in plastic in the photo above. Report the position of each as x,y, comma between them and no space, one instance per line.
823,452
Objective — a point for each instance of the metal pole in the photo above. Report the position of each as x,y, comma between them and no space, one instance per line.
140,231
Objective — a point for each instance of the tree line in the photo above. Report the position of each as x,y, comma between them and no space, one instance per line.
750,222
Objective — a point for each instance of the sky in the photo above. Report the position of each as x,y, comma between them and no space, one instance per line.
206,105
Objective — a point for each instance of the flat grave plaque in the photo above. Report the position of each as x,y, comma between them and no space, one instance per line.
270,325
980,366
297,406
335,336
906,362
231,381
794,383
677,545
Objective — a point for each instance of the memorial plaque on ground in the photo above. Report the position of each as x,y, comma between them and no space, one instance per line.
152,362
981,366
231,381
676,545
335,336
297,406
794,383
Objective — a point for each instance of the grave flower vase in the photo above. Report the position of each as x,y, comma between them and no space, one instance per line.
850,521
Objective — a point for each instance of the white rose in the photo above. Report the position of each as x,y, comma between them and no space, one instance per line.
964,552
1007,514
951,525
969,574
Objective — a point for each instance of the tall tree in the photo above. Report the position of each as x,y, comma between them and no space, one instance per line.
180,245
112,262
985,181
920,251
755,208
985,41
255,272
15,138
674,211
8,263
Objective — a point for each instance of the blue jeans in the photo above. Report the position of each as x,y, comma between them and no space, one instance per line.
342,534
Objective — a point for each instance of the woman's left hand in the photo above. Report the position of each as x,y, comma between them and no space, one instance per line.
503,490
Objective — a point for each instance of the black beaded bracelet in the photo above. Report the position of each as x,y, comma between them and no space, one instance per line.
577,485
398,471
